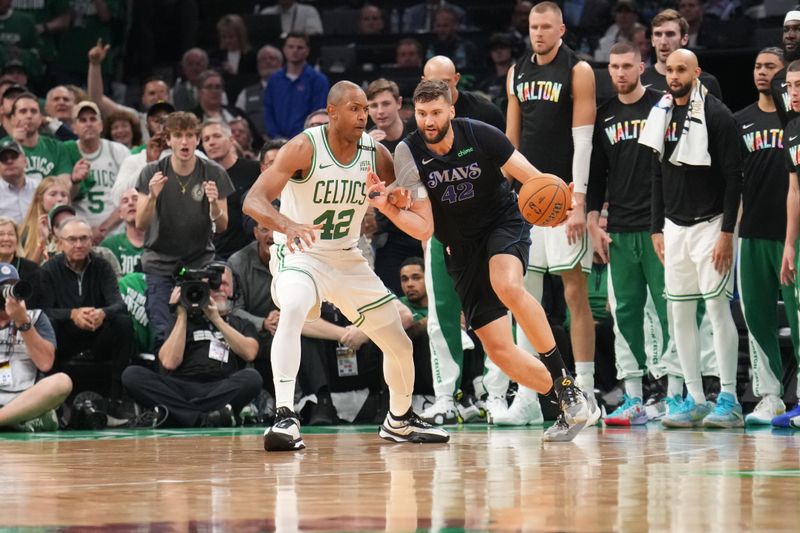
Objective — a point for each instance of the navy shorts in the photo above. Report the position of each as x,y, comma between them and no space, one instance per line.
468,265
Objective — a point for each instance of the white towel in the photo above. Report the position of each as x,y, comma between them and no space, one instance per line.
692,147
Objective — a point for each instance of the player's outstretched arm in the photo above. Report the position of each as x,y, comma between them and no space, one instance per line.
292,158
519,168
415,219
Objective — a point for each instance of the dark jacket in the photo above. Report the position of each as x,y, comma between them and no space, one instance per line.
64,290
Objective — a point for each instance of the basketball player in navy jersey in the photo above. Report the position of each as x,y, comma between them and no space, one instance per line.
322,177
550,119
762,233
620,174
460,165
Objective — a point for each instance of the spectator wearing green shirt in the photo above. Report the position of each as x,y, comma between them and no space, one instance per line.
46,156
50,18
19,38
127,247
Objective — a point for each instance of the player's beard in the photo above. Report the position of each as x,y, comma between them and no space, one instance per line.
791,55
439,134
627,88
683,91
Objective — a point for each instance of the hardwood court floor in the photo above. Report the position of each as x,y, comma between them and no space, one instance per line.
350,480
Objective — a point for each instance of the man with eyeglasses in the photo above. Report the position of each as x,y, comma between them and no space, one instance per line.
16,190
211,103
88,314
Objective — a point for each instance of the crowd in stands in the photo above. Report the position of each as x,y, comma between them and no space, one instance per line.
149,299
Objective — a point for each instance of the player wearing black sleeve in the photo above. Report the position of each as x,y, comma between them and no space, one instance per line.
620,172
761,236
698,192
460,165
791,51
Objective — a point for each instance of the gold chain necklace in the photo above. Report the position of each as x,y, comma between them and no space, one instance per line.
182,184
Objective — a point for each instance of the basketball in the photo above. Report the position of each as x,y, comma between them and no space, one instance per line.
544,200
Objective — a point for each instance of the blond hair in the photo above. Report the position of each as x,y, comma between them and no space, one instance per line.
30,240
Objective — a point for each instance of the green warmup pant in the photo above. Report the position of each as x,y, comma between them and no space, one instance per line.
759,284
635,272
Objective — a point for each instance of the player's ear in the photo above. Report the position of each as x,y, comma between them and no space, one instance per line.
452,112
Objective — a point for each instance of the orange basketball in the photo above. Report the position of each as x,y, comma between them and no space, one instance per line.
544,200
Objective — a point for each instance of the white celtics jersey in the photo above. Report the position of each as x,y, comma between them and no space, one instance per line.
333,194
96,202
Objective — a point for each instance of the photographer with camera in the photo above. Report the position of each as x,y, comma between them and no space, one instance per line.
82,300
182,203
27,399
200,383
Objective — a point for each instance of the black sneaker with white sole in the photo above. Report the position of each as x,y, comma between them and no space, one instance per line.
410,428
284,434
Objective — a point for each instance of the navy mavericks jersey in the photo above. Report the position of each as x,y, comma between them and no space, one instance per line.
469,194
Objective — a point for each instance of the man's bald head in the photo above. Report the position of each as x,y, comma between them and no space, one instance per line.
341,91
682,72
683,56
443,69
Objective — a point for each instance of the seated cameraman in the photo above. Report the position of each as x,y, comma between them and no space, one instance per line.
200,383
81,298
27,399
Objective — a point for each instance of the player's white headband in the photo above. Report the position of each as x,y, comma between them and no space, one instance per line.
792,16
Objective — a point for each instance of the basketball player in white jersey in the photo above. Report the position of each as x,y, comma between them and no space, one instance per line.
322,177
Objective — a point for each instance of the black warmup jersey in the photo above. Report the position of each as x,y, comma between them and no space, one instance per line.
780,95
621,167
469,194
653,80
765,184
476,107
408,127
690,194
791,145
544,93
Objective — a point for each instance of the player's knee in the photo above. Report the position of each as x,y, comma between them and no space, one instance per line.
59,385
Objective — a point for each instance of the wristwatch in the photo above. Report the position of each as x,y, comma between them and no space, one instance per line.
24,327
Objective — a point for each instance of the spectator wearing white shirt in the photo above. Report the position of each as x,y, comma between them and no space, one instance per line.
16,190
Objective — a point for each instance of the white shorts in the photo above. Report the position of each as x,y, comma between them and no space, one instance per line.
551,252
689,273
341,277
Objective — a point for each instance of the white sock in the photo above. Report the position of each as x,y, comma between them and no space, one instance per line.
383,326
674,386
633,388
297,294
696,391
584,375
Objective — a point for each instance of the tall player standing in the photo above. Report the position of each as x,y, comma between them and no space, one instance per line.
550,118
762,233
322,177
620,173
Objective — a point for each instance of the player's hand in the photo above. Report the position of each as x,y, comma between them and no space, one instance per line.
377,134
271,322
16,310
658,245
80,171
722,256
576,225
788,269
212,193
97,317
300,237
157,183
98,52
212,311
600,240
353,338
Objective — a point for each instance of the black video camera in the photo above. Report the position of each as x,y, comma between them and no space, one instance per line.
19,290
196,285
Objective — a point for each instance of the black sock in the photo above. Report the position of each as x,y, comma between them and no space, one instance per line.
551,395
555,364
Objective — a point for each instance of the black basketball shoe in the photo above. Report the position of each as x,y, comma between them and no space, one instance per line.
410,428
284,434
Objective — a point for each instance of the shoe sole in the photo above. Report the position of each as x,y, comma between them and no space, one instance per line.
276,442
753,421
722,424
511,423
569,436
625,422
418,438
